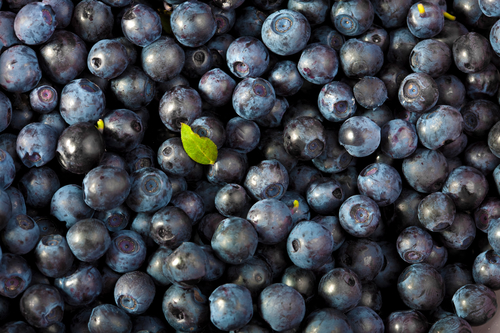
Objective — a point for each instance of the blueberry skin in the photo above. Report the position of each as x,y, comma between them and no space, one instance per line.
451,92
53,256
253,98
428,177
370,182
38,186
19,69
9,37
149,324
155,62
414,245
207,226
336,101
17,203
460,234
233,200
70,60
107,59
376,35
36,144
133,88
230,307
140,157
471,53
286,32
43,99
285,78
247,57
324,196
326,35
8,169
180,105
318,63
489,8
493,238
116,218
495,38
332,224
407,321
302,280
123,130
230,167
151,190
352,18
467,186
304,138
427,25
392,13
300,213
327,320
483,84
186,310
134,292
82,101
301,176
359,58
431,57
479,156
214,267
486,212
271,146
440,126
187,265
155,266
242,135
105,188
92,20
170,227
272,308
193,34
191,203
81,285
340,288
271,219
418,92
126,252
421,287
15,275
475,303
173,159
364,257
255,275
248,22
494,139
436,211
486,268
67,205
370,92
235,240
309,245
450,324
88,239
42,305
359,216
398,138
20,235
17,327
363,319
141,25
360,136
35,23
266,180
108,318
216,87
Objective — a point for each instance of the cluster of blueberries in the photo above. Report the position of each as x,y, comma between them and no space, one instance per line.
356,185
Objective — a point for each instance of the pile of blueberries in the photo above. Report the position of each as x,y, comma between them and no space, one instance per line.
356,185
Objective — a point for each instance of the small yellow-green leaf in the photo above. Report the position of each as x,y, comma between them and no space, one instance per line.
165,20
202,150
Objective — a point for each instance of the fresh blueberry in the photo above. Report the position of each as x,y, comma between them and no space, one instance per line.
425,170
216,87
106,187
324,196
418,92
359,216
421,287
200,30
88,239
363,319
475,303
352,18
266,180
271,309
340,288
15,275
170,227
336,101
134,292
187,265
141,25
467,186
309,245
53,256
431,57
82,101
253,98
68,205
108,318
428,24
185,309
107,59
471,53
92,20
359,58
230,307
235,240
35,23
127,251
36,144
20,235
42,305
163,59
360,136
151,190
242,135
81,285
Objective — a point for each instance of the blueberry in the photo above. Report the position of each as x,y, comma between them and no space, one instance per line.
479,156
392,13
286,32
180,105
304,138
17,327
324,196
141,25
440,126
309,245
15,275
370,92
116,218
253,98
20,235
127,251
214,267
134,292
301,176
92,20
186,309
451,92
149,324
170,227
271,146
467,186
336,101
36,144
248,22
431,57
359,216
163,59
486,212
106,187
155,266
318,63
230,307
235,240
81,285
198,61
449,324
421,287
88,239
18,205
428,24
268,179
340,288
460,234
352,18
108,318
272,308
436,211
425,170
43,99
42,305
299,213
359,58
38,186
475,303
302,280
414,245
35,23
9,37
418,92
102,64
398,138
360,136
173,159
407,321
82,101
67,205
327,319
370,182
247,57
8,169
53,256
187,265
272,220
242,135
485,269
133,88
197,33
364,257
191,203
326,35
376,35
471,53
230,167
151,190
363,319
232,200
255,275
216,87
483,84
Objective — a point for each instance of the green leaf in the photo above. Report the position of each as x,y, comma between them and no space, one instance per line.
202,150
